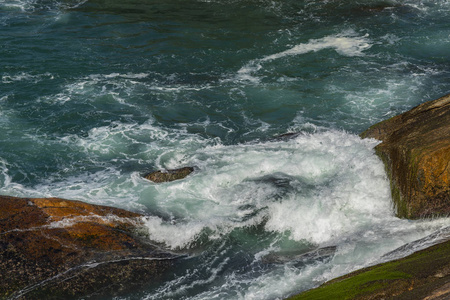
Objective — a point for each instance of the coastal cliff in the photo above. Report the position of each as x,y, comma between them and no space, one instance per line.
61,249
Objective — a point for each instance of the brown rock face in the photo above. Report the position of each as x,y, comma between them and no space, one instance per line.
170,175
61,249
415,149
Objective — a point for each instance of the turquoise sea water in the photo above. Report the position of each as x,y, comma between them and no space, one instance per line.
94,93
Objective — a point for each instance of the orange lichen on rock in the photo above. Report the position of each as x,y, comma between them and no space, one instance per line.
62,243
60,208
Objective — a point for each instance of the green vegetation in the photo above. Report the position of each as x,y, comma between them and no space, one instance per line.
361,284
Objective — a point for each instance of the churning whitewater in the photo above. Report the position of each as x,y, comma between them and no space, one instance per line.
265,99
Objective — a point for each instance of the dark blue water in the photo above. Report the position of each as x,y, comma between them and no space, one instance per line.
95,93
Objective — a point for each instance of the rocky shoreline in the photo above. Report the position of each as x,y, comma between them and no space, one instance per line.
53,248
415,149
61,249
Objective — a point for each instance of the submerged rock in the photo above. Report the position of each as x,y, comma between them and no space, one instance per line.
60,249
314,256
415,149
169,175
287,136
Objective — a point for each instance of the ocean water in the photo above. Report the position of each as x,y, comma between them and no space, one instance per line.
95,93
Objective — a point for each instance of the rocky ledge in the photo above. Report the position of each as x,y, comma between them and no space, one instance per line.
422,275
54,248
415,149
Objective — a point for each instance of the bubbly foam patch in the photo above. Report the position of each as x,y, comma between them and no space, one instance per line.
277,281
318,187
181,234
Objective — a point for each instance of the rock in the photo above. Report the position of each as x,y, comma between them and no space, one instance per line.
320,254
60,249
169,175
286,136
422,275
415,149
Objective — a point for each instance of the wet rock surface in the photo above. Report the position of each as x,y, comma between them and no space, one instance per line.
415,149
320,254
422,275
53,248
169,175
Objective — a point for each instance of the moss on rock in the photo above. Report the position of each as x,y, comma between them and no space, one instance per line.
423,274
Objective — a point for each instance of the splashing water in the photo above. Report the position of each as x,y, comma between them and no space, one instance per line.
94,94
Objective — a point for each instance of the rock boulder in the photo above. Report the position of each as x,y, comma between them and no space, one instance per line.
53,248
169,175
415,149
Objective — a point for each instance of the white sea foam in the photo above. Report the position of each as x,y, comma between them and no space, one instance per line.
343,44
23,76
17,4
182,234
322,187
32,5
119,75
347,43
124,88
5,179
333,176
96,87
